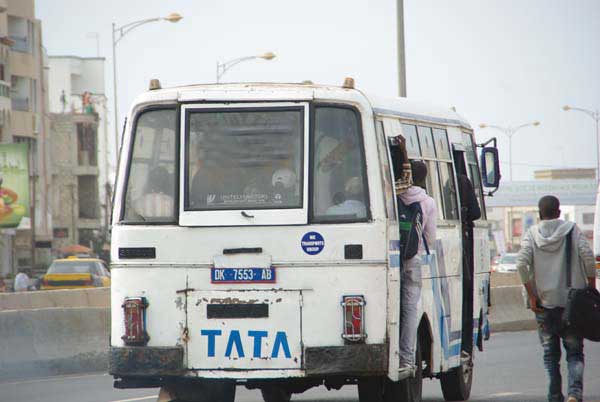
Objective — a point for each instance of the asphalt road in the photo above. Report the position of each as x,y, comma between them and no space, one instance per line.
509,370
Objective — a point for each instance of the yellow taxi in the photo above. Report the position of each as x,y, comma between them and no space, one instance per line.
76,273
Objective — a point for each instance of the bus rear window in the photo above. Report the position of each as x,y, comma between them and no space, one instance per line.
244,159
339,185
150,195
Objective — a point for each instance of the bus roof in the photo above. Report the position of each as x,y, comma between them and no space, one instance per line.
260,91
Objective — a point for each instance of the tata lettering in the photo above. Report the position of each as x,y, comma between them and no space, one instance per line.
280,345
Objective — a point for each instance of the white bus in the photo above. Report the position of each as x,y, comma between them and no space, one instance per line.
255,242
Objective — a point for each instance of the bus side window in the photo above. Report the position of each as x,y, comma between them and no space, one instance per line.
412,142
150,194
340,192
433,179
473,170
449,192
390,208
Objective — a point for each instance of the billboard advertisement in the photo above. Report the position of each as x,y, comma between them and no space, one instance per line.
14,186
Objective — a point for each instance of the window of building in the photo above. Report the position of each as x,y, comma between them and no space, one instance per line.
87,153
86,238
150,194
21,93
588,218
339,181
33,151
21,32
87,191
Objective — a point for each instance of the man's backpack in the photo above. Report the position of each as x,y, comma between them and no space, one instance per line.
410,222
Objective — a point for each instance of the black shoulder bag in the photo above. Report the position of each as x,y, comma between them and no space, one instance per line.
582,312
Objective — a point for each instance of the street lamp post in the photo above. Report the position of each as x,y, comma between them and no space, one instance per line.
596,116
222,68
509,132
117,34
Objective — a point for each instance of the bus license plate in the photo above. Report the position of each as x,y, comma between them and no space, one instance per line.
242,275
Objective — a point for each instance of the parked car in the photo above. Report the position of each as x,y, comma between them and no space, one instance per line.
508,263
75,273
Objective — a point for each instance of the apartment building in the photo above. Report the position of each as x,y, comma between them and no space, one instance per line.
79,129
23,111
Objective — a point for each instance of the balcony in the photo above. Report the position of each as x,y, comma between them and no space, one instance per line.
22,8
23,124
22,64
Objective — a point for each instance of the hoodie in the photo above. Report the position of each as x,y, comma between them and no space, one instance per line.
417,194
542,260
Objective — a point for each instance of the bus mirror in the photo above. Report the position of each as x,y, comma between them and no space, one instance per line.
490,167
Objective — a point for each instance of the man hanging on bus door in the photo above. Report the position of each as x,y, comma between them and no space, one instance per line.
408,198
470,212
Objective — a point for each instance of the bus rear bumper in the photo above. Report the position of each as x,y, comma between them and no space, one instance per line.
359,359
146,361
159,362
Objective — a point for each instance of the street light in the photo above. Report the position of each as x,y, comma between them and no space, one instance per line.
596,116
222,68
117,35
509,132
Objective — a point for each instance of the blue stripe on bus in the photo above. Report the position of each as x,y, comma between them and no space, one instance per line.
394,253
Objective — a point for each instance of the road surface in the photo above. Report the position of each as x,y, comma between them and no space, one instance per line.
509,370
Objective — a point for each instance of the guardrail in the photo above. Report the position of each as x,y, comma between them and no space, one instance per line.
66,331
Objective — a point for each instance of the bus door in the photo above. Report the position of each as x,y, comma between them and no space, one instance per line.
467,242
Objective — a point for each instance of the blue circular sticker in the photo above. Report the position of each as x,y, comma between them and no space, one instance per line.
312,243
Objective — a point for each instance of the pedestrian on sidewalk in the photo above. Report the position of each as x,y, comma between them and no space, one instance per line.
543,270
21,283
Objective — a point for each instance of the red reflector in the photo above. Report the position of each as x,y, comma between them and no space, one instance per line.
353,312
134,312
598,258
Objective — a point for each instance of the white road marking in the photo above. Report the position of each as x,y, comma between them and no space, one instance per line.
55,378
504,394
144,398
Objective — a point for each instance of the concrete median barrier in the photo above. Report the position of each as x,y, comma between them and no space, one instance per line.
508,312
93,297
51,341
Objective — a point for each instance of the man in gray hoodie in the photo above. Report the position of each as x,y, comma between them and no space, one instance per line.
542,266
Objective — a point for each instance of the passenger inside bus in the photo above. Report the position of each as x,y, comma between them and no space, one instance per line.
349,202
339,183
156,201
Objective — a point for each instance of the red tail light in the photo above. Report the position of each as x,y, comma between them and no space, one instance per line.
353,314
45,282
134,309
598,262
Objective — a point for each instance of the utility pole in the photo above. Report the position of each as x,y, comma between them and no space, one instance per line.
401,52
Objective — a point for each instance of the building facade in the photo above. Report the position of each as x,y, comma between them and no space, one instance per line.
23,119
76,206
513,209
76,87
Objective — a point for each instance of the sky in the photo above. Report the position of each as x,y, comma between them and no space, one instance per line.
502,62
